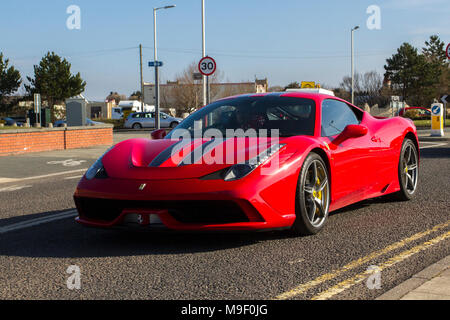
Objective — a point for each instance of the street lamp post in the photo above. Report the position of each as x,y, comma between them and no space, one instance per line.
205,100
157,119
353,66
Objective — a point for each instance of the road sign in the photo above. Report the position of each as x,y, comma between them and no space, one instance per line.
436,109
308,85
155,64
437,120
207,66
444,99
395,98
197,76
447,51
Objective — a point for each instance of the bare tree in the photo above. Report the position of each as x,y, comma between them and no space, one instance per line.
187,93
368,88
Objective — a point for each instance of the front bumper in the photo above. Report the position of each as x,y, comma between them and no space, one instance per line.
185,204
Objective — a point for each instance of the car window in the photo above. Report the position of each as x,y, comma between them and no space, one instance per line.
288,116
148,116
336,115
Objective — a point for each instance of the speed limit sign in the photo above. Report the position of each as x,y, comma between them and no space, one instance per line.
207,66
448,51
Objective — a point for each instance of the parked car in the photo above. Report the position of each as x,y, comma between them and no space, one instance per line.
139,120
10,122
89,122
420,113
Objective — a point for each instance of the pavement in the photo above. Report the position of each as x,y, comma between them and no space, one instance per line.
432,283
39,242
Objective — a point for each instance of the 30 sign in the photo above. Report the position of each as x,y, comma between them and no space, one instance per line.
207,66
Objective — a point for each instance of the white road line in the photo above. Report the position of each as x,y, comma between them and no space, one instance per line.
14,188
6,180
38,221
72,178
434,145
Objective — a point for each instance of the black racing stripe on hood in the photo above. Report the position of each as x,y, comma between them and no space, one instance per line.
194,156
167,153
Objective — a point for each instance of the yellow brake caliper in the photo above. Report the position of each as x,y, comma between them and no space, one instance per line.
317,194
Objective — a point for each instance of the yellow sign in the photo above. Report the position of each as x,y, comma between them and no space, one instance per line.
436,123
308,85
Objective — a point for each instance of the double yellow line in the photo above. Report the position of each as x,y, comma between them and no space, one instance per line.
359,262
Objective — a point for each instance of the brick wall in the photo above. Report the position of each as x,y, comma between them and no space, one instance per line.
21,141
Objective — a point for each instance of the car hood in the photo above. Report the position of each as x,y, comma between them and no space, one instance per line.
180,159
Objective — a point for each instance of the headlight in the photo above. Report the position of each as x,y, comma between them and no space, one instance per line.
97,170
240,170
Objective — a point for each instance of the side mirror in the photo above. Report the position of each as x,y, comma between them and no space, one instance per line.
159,134
351,131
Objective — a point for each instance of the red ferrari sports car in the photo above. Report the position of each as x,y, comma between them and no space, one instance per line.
253,162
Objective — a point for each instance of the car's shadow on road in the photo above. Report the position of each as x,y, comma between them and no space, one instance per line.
67,239
435,153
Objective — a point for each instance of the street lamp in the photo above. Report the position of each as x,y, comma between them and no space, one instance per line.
157,122
205,101
353,67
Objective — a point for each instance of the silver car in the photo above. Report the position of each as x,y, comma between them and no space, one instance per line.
139,120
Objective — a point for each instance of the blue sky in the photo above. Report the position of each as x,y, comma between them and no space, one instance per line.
285,41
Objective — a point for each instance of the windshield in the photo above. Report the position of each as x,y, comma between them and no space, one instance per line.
290,116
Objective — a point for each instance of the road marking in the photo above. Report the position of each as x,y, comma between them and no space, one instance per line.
356,263
434,145
346,284
38,221
43,176
6,180
68,162
13,188
72,178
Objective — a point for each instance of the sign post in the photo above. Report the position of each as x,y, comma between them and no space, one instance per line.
207,66
437,120
445,101
37,107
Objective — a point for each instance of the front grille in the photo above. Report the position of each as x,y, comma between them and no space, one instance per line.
189,212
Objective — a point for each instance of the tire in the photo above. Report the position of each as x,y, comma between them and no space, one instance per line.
173,125
312,197
408,171
137,126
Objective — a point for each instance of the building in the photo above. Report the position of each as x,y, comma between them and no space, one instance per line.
99,109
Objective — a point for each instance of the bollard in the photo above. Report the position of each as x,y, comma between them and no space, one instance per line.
437,120
49,125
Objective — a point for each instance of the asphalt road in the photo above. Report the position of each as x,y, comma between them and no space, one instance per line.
39,240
